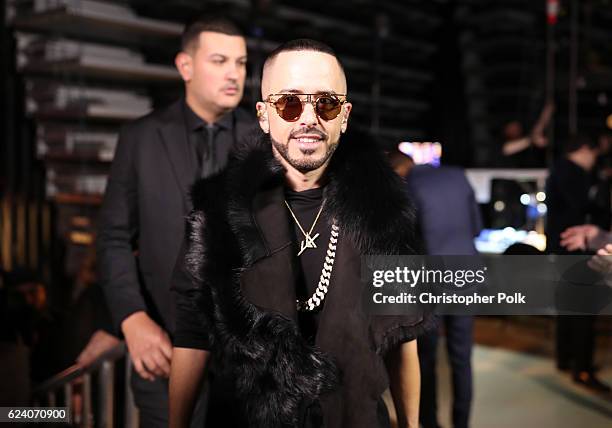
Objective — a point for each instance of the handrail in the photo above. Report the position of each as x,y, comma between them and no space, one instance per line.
76,370
104,408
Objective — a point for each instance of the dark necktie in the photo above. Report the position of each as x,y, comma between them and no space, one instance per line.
205,149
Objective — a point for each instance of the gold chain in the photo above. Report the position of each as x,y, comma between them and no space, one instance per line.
298,223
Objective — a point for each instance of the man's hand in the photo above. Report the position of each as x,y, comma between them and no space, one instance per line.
578,237
99,343
539,140
149,346
602,262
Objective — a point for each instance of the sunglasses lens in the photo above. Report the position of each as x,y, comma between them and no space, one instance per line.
289,107
328,108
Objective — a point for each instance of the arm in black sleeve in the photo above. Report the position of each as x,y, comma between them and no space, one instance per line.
118,233
193,306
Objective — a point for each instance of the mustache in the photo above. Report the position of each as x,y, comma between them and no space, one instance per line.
308,130
231,86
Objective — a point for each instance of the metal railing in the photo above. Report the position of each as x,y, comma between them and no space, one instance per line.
89,414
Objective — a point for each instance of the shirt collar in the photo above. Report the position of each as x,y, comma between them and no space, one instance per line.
195,122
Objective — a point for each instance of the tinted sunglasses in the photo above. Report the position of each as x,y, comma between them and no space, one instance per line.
291,106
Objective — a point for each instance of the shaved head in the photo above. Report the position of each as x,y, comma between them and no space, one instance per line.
298,45
291,62
307,143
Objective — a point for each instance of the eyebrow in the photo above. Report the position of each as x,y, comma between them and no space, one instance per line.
220,55
297,91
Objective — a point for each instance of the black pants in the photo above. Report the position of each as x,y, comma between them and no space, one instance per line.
575,342
459,346
152,401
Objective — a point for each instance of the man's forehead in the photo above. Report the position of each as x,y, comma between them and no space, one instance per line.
213,42
304,71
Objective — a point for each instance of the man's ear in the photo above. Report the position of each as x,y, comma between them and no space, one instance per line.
346,112
262,116
184,65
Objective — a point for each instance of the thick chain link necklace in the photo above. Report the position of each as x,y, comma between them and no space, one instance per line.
309,240
319,294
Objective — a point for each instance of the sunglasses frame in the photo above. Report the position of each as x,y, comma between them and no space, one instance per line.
311,98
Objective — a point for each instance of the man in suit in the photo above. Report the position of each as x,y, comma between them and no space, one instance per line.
141,225
449,219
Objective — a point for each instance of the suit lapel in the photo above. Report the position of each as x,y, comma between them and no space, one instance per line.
174,138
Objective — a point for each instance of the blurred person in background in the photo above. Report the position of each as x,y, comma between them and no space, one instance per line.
52,341
141,226
569,194
14,354
88,330
436,192
26,323
595,235
602,175
525,151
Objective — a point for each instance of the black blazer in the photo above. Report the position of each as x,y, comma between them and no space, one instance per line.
142,218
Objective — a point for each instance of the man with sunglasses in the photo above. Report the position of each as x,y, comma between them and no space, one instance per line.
273,253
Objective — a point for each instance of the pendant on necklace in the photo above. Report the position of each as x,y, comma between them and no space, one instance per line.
307,242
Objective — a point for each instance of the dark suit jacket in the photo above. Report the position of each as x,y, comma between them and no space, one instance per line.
142,219
448,214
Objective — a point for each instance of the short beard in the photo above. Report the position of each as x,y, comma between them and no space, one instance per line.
304,165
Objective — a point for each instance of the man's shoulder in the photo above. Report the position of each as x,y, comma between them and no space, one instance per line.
440,171
422,172
245,121
564,170
454,173
427,177
169,113
244,116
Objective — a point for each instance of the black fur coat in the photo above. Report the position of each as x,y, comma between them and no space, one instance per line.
240,257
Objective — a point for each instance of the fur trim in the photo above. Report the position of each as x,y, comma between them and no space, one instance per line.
367,198
402,334
364,195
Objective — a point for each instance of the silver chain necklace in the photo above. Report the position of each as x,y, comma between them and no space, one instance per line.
319,294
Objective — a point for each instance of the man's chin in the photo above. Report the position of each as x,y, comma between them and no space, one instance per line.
308,153
229,103
307,163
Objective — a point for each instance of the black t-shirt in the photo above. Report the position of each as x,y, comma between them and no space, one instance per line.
305,205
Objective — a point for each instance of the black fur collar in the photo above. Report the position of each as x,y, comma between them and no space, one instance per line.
363,194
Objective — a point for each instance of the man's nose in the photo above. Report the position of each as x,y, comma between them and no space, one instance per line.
232,72
309,115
